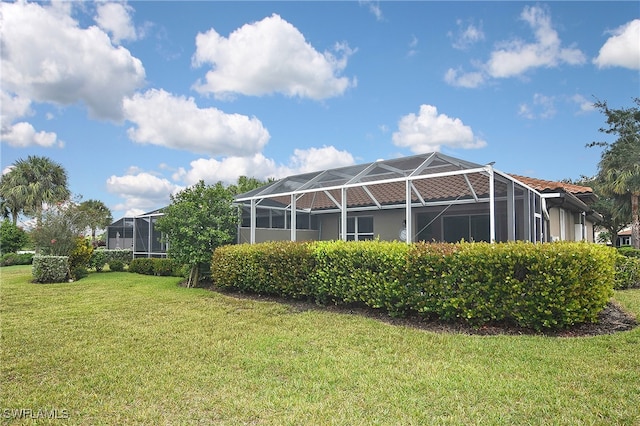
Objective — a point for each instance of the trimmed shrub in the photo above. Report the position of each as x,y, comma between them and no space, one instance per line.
125,256
78,273
116,266
629,251
50,269
277,268
142,265
11,259
627,272
539,286
165,267
98,259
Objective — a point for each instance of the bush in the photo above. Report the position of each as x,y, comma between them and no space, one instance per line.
629,251
12,238
142,265
627,272
11,259
125,256
78,273
80,256
50,269
539,286
158,266
116,266
98,259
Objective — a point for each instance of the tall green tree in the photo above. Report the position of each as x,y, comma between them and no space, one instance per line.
619,166
96,216
198,220
30,184
615,212
12,238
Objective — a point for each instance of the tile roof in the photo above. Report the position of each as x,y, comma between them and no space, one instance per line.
548,185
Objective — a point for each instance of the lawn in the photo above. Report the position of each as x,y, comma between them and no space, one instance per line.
121,348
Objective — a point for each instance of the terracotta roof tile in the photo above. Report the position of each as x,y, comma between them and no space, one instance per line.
548,185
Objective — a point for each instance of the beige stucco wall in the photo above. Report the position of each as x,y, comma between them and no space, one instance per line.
264,235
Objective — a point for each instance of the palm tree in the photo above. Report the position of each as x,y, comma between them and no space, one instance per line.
619,167
96,216
31,183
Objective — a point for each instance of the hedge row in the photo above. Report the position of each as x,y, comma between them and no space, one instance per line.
11,259
50,269
101,257
156,266
539,286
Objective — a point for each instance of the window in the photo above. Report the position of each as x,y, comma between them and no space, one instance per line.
360,228
469,228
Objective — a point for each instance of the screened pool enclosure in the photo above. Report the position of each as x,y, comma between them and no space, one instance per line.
428,197
138,234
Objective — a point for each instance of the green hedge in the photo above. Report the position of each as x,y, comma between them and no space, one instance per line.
101,257
627,272
156,266
50,269
538,286
11,259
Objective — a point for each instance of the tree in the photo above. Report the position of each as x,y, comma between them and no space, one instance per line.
12,238
246,184
96,216
615,212
198,220
58,229
30,184
619,166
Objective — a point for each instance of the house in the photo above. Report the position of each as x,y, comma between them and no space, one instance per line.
138,234
570,217
427,197
624,237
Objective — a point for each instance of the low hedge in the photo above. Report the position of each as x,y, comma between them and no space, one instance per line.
539,286
11,259
627,272
101,257
156,266
50,269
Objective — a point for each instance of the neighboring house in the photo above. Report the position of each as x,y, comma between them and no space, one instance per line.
624,237
138,234
570,215
428,197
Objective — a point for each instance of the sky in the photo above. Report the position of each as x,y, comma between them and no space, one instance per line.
138,100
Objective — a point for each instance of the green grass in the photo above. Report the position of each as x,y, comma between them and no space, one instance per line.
121,348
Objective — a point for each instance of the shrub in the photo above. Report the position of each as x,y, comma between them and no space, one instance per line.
165,267
125,255
11,259
81,253
50,269
116,266
531,285
142,265
629,251
627,272
12,238
78,273
98,259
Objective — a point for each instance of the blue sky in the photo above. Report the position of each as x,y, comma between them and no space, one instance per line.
139,99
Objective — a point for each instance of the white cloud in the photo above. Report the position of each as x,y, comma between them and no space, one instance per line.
47,57
622,49
542,107
515,57
269,56
141,192
258,166
115,18
23,135
374,8
429,131
315,159
582,102
466,36
459,78
177,122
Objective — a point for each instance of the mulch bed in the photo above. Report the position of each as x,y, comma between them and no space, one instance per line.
612,319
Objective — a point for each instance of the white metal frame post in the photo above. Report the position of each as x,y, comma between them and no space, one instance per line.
492,204
343,214
294,218
408,223
252,234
